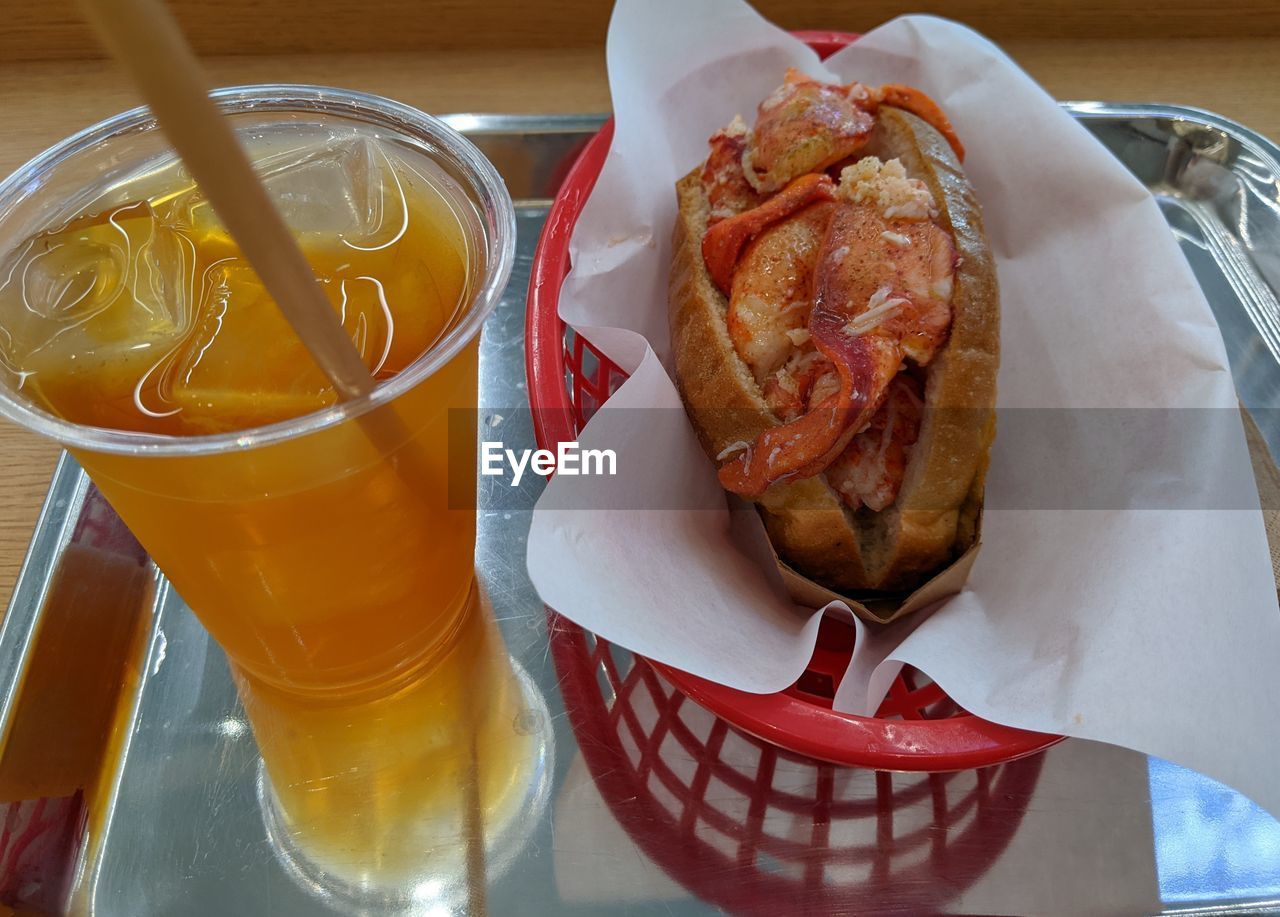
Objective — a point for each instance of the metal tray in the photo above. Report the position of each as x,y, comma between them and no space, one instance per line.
128,772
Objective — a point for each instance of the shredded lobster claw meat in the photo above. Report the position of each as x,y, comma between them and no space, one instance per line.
808,126
866,363
724,242
826,302
726,186
805,126
811,442
870,471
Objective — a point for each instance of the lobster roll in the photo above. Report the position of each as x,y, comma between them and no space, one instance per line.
835,330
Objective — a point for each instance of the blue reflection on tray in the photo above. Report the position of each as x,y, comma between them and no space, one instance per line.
1211,843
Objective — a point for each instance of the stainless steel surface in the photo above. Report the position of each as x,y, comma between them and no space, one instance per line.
53,531
1218,185
656,807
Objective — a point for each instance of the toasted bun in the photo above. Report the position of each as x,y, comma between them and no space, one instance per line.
935,515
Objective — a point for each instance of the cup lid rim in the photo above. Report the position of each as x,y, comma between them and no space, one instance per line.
276,97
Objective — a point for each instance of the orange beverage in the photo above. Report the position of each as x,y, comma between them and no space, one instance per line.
410,779
336,573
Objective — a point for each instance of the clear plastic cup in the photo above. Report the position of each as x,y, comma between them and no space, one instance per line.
342,590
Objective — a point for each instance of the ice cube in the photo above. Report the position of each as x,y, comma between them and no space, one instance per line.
340,190
110,287
335,189
243,365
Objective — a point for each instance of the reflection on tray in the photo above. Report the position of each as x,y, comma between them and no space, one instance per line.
754,829
62,724
1211,843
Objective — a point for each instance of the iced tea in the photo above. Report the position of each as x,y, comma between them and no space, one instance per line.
341,587
310,561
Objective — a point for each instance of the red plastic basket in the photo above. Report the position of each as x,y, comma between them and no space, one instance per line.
754,829
918,728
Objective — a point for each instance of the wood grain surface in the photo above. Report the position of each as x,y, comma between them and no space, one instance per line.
50,29
48,89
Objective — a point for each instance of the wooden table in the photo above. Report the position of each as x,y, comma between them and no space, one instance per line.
50,85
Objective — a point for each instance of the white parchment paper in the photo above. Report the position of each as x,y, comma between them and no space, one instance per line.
1155,629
